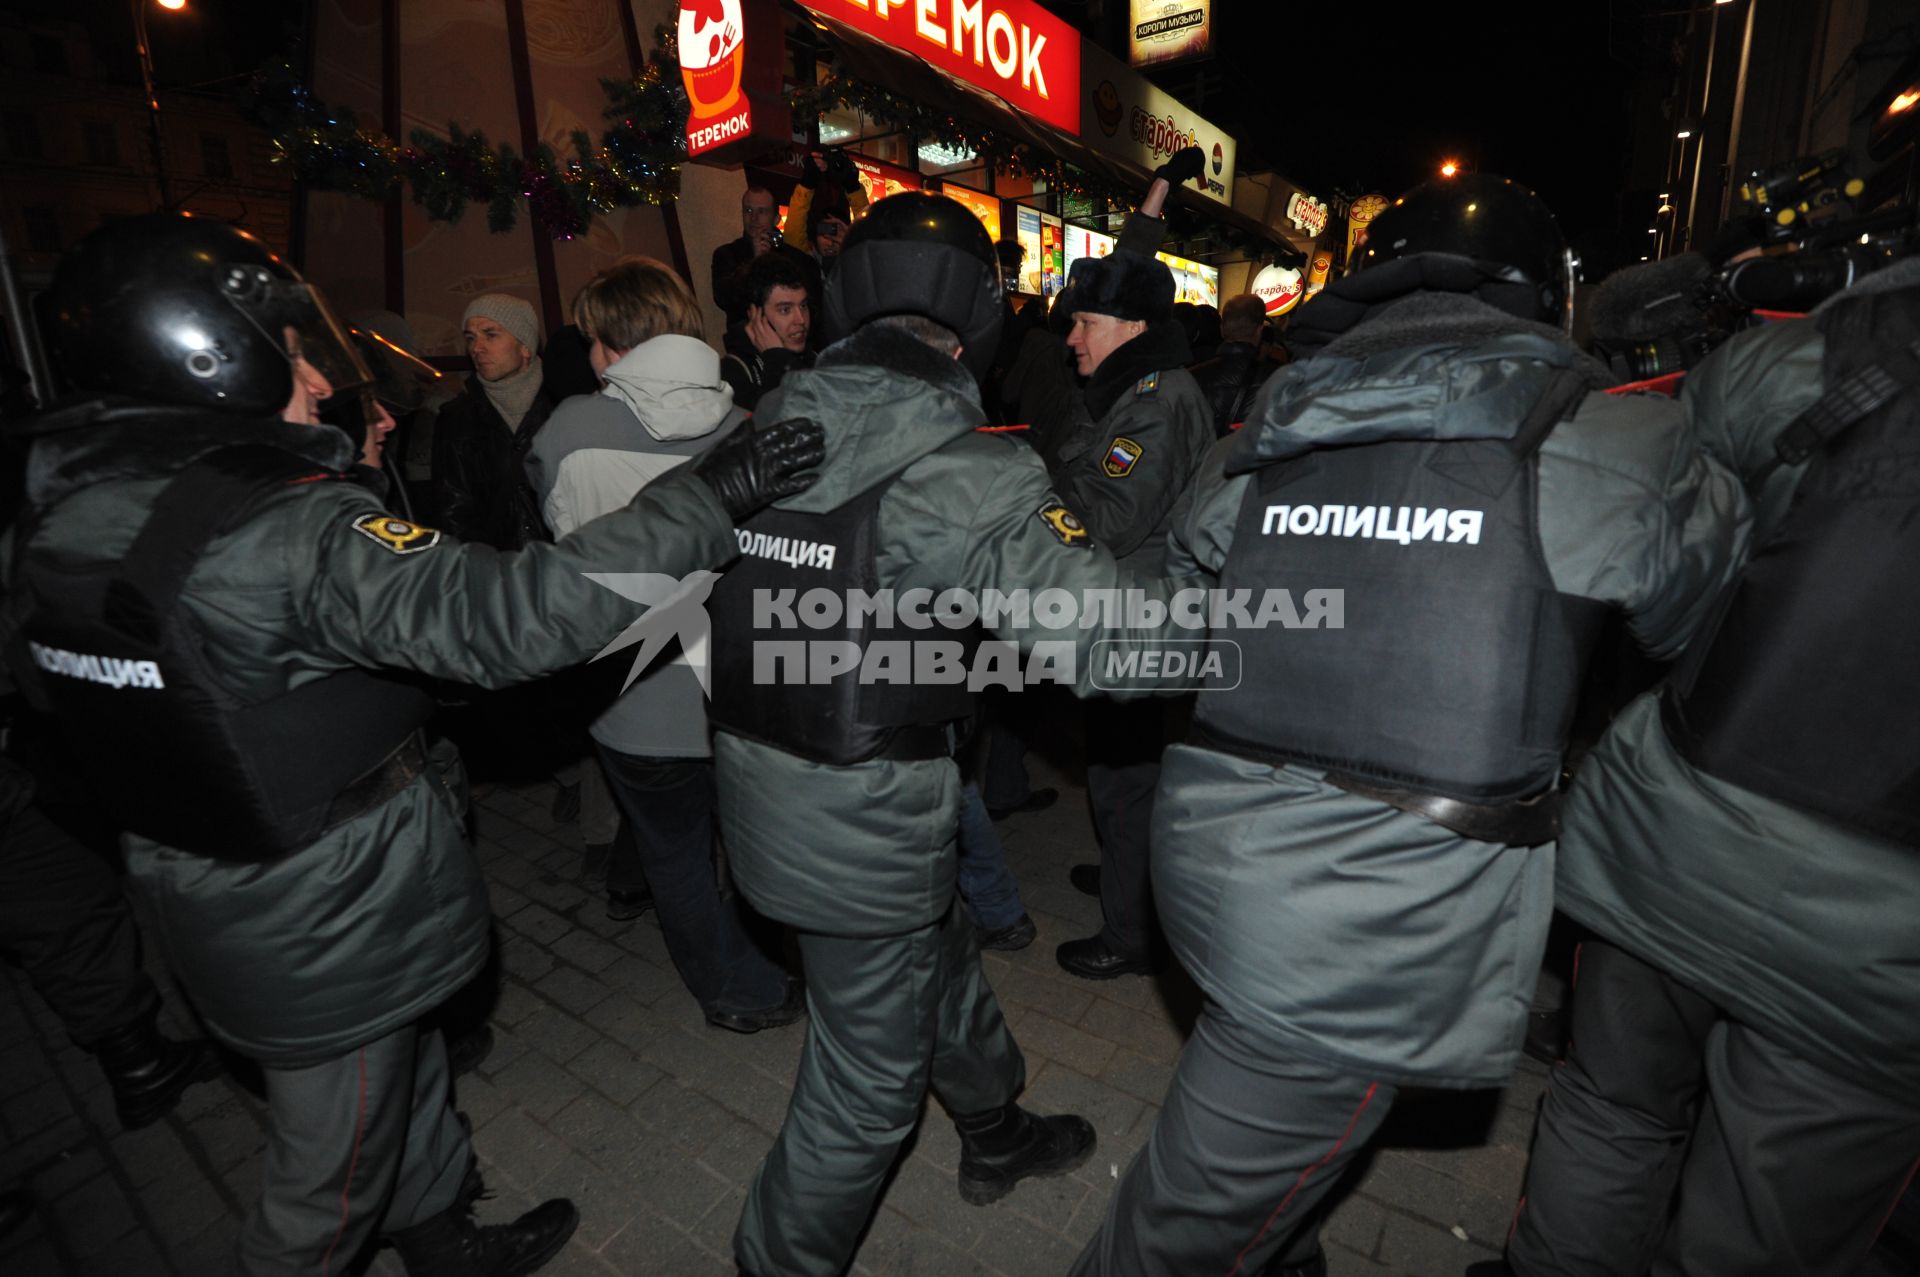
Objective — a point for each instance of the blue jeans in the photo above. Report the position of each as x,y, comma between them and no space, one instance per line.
666,844
985,882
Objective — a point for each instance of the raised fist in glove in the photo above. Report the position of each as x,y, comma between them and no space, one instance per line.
809,172
841,171
1187,163
757,465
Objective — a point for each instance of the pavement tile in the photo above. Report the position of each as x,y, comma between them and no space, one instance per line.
1040,1034
1395,1178
515,1003
508,867
94,1217
555,893
539,924
229,1134
505,900
716,1227
571,988
681,1114
555,1034
1149,1035
1014,1246
1356,1223
183,1204
1416,1245
651,1247
606,1202
521,1148
586,952
1138,1076
21,1155
897,1247
479,1098
621,1019
931,1198
736,1153
639,978
754,1096
1056,993
539,1087
36,1108
1345,1263
67,1171
614,1071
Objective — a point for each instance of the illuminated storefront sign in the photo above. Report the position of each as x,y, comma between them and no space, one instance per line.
1131,119
1012,48
1280,288
981,205
1306,213
1166,30
713,56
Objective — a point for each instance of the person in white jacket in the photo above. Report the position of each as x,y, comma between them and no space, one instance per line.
663,402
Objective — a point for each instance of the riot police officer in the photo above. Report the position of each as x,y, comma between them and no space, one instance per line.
839,796
203,597
1738,1096
1352,854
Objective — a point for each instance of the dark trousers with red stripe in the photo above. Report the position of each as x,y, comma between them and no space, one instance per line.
1238,1164
1676,1141
360,1145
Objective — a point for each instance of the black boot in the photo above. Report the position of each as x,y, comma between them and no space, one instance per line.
148,1070
452,1245
1001,1147
1314,1265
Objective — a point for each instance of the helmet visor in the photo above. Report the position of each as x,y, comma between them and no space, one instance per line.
296,318
401,379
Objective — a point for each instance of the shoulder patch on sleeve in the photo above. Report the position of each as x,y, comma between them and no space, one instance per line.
1064,524
397,536
1122,455
1147,385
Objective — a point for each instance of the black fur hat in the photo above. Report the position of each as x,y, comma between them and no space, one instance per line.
1124,285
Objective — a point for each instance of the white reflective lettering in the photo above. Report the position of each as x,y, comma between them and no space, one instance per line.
923,24
1302,520
1386,531
966,18
1359,521
1031,76
1332,519
1464,525
1429,523
1275,519
999,29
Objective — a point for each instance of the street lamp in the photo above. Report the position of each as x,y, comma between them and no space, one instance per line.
1448,168
153,98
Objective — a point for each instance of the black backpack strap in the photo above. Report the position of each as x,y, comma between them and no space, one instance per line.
1888,338
209,497
1562,395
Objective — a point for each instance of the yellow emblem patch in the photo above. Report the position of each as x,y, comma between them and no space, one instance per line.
396,535
1122,454
1064,524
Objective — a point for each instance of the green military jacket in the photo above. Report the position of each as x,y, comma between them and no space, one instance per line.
1133,445
1797,925
1345,931
869,849
303,958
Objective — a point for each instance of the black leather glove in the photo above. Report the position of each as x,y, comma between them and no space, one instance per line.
757,465
841,171
809,172
1187,163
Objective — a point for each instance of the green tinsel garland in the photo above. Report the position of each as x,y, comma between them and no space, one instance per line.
637,160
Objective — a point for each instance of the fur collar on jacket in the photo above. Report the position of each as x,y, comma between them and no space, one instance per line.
894,349
1160,347
100,440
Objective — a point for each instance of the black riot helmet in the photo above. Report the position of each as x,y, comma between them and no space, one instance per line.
400,382
1498,224
919,254
192,312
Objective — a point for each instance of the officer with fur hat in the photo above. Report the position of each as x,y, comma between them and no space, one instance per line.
1136,438
839,796
1353,852
200,595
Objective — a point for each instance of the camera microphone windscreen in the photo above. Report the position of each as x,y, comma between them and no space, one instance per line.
1649,301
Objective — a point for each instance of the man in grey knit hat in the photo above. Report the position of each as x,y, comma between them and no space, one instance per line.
481,439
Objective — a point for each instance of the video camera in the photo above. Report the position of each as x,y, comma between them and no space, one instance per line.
1664,317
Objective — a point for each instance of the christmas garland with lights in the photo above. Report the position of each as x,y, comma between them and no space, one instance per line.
637,160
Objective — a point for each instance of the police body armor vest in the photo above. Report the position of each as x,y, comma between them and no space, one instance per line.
840,719
1808,690
1458,666
173,754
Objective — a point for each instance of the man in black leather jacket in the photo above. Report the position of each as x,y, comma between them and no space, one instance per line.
1234,375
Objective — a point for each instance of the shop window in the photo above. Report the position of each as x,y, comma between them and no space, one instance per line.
23,135
99,144
43,228
216,161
